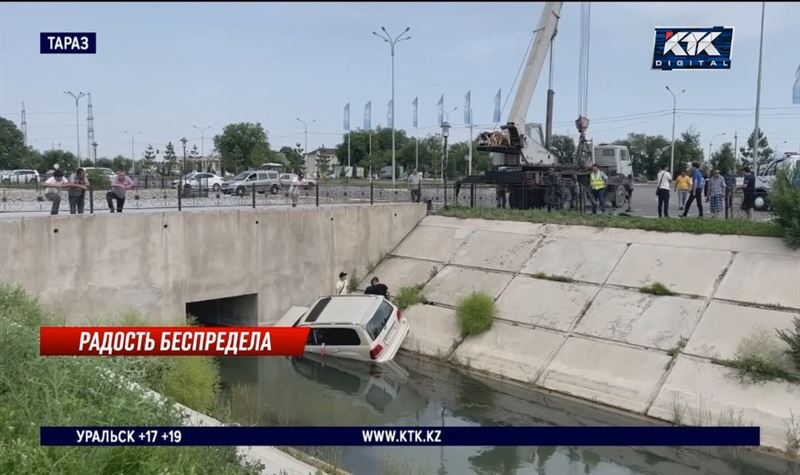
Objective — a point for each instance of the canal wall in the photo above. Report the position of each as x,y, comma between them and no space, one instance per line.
91,268
597,337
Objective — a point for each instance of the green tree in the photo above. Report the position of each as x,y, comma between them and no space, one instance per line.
646,152
149,158
104,163
65,160
564,148
687,150
121,163
242,145
764,152
194,158
294,158
724,160
13,152
169,158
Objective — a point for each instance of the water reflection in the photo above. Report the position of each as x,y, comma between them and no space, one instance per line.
409,392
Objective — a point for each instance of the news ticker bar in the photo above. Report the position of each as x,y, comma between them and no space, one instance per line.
172,341
396,436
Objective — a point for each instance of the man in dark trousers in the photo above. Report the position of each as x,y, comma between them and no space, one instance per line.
376,288
696,193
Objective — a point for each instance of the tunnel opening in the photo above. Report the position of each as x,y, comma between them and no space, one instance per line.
238,311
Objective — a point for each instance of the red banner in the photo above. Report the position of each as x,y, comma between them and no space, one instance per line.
172,341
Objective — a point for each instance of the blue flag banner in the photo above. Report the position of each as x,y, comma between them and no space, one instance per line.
368,116
390,114
440,104
497,107
467,109
416,109
347,117
412,436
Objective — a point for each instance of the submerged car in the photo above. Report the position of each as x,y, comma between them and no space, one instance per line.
359,327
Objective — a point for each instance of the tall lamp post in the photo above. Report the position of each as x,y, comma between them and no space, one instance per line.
183,141
305,147
133,155
94,153
445,134
77,123
711,142
202,142
672,153
392,42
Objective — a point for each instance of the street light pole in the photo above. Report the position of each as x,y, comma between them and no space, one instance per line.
392,42
758,99
133,155
94,155
711,142
183,141
202,141
445,134
77,123
305,147
672,153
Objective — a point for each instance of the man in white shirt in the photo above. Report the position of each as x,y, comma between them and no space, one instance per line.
414,186
663,180
342,286
53,191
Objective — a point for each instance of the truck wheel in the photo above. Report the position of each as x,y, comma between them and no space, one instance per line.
618,195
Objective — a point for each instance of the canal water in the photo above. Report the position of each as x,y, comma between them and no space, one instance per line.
411,391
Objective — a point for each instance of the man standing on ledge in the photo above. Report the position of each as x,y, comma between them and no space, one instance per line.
414,186
120,185
342,284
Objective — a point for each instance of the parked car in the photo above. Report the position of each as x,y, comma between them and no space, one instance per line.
262,180
21,177
766,179
359,327
287,178
201,181
95,171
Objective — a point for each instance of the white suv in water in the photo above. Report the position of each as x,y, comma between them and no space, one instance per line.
359,327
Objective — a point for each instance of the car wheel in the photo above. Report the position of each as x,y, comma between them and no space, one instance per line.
760,202
240,191
215,187
274,189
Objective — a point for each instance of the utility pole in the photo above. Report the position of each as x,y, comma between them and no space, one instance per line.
133,156
736,147
392,42
711,142
758,98
77,123
94,148
305,149
89,125
672,153
24,125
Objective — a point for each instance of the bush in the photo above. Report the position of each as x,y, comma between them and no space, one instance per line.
785,201
409,296
40,391
476,314
760,357
656,288
792,338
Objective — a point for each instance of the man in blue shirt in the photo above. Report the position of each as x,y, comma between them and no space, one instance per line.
698,182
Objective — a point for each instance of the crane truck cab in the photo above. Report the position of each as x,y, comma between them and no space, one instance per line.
615,161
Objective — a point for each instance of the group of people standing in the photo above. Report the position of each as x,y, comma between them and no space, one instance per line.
375,287
691,187
78,184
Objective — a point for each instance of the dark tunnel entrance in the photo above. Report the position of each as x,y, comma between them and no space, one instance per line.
236,311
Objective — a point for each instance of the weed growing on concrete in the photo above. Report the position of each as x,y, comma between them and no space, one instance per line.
760,358
678,410
656,288
409,296
352,284
731,418
676,350
556,278
792,338
434,271
793,434
476,313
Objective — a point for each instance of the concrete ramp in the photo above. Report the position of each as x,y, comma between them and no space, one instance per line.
453,284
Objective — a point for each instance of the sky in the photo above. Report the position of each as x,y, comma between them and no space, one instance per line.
162,68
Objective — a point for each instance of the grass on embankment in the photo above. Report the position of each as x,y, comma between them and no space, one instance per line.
76,391
672,225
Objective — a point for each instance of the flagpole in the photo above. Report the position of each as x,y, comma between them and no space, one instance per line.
470,143
348,151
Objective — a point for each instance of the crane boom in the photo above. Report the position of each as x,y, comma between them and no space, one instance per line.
545,30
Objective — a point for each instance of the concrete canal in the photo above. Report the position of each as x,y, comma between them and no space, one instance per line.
417,392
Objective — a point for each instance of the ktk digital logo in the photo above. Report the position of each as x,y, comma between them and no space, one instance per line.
693,48
67,43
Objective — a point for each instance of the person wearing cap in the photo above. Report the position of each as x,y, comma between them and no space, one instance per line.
342,286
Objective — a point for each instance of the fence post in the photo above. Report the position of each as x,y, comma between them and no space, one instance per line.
179,188
316,190
472,195
91,201
371,201
254,196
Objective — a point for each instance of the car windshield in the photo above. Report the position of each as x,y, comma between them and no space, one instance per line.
242,176
378,321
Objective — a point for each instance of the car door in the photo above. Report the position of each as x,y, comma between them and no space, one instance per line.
343,341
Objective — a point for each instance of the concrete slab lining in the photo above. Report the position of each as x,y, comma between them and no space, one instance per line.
496,250
397,272
455,283
641,319
606,372
544,303
433,330
724,326
432,243
683,270
702,393
513,352
588,261
761,279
